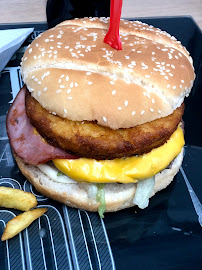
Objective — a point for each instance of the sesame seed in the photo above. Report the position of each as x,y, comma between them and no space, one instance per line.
69,91
59,80
133,113
170,56
33,77
159,111
71,85
182,81
89,83
174,87
39,93
113,92
65,111
45,89
147,76
34,56
30,50
88,73
104,119
70,98
142,112
36,80
62,86
126,102
151,110
58,91
47,40
39,82
168,85
111,82
62,76
119,108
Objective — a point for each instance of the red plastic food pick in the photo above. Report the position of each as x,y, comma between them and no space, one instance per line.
112,37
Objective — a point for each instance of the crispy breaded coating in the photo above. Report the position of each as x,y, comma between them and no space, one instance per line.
87,139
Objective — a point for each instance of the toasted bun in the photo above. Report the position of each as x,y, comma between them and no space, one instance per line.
71,72
117,196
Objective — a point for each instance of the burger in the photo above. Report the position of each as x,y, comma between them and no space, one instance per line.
96,128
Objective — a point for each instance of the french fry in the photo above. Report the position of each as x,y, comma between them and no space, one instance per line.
20,222
17,199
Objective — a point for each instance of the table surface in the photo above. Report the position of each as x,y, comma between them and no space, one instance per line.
15,11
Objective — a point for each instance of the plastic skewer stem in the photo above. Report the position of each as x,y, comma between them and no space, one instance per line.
112,37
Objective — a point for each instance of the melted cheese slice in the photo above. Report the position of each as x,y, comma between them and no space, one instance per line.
123,170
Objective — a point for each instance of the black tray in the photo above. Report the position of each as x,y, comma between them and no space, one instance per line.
166,235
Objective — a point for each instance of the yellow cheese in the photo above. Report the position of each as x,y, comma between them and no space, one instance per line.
123,170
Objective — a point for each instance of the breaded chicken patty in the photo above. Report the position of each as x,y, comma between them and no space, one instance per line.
90,140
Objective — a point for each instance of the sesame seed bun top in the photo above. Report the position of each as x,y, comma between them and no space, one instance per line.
71,72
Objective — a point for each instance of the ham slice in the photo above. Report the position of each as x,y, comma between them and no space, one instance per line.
25,142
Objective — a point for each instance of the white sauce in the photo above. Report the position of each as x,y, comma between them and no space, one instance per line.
52,173
143,192
92,191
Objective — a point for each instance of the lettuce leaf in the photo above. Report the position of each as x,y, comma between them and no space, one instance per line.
100,197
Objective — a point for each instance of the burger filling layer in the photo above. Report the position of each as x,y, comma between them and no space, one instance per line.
92,141
123,170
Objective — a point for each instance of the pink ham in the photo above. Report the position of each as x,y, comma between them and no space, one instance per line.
25,143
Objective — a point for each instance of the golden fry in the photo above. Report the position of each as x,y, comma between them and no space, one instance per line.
17,199
20,222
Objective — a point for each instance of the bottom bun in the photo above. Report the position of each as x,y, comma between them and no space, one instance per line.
117,196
